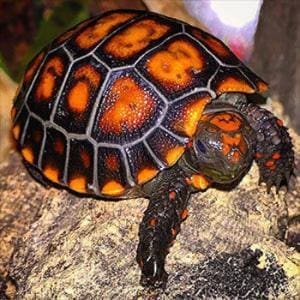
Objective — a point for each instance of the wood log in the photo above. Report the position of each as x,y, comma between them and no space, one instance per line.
56,245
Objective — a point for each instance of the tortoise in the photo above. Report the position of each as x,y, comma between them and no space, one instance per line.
136,104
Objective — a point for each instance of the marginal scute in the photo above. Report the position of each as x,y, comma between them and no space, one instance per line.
33,67
51,173
135,38
234,84
78,184
28,154
189,115
146,174
174,154
53,69
93,34
112,188
216,46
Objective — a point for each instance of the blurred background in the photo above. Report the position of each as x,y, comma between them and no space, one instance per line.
262,33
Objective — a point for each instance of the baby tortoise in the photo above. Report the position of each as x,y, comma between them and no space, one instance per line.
136,104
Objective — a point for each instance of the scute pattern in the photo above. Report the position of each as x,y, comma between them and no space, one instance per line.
116,99
80,91
128,109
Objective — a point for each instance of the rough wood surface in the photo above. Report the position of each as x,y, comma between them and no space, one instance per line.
54,244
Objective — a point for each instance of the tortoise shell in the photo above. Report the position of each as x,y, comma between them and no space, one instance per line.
116,99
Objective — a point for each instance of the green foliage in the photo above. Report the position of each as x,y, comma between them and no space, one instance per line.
51,23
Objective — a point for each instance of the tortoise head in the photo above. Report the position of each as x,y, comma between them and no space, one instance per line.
223,147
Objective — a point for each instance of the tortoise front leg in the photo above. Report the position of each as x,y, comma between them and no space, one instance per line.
169,196
274,148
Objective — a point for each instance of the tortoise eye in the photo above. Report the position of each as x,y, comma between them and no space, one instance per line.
200,146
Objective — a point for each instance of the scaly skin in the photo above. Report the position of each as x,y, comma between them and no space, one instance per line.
161,223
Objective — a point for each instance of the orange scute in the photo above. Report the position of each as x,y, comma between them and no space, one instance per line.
85,158
53,69
78,184
232,84
92,35
135,38
226,121
262,86
59,146
190,116
199,182
175,65
78,97
174,154
86,78
28,154
112,162
146,174
129,107
16,131
33,67
51,173
218,47
113,188
13,112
